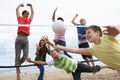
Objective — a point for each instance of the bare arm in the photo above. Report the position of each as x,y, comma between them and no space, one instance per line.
37,62
81,35
48,47
37,49
53,16
17,9
106,66
83,51
48,42
73,20
32,11
45,38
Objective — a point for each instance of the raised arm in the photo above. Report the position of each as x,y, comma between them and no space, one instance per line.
45,38
32,11
51,44
83,51
73,20
17,9
36,62
112,30
53,16
38,49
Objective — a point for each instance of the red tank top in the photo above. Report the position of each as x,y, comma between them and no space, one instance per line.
24,29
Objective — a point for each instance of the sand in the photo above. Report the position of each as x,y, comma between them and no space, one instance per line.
104,74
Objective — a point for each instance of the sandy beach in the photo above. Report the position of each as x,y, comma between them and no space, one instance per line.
104,74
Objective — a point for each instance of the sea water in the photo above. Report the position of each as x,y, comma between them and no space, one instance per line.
7,46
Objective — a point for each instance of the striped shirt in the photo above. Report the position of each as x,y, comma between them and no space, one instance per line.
60,36
64,63
81,30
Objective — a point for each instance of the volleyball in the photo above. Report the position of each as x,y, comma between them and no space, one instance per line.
58,27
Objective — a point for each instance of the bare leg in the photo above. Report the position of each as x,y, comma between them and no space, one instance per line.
106,66
18,73
87,61
92,62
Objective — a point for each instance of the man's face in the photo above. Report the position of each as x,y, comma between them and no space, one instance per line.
91,35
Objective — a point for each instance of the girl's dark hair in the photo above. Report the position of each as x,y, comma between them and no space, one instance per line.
95,28
44,48
60,18
40,42
25,11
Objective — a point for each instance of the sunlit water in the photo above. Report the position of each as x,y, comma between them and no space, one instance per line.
7,50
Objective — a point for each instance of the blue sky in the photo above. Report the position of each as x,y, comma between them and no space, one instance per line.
100,12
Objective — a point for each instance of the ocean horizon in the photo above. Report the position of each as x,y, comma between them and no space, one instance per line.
7,51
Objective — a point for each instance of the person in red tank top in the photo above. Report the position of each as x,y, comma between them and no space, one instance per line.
21,42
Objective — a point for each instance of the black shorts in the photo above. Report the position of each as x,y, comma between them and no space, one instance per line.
85,45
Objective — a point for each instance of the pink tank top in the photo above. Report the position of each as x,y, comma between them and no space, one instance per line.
60,36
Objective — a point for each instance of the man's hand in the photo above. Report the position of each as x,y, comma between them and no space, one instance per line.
111,30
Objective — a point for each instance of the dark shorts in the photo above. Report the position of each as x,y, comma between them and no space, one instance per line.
85,45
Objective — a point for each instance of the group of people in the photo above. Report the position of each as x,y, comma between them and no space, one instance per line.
107,53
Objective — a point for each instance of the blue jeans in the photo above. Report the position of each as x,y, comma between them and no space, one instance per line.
41,75
21,43
63,43
84,68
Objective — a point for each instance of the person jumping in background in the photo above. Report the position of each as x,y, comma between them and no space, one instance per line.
21,42
82,41
60,38
62,61
41,50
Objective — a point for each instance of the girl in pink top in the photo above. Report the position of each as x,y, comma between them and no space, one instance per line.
60,38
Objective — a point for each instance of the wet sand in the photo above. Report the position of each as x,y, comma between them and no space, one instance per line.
104,74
